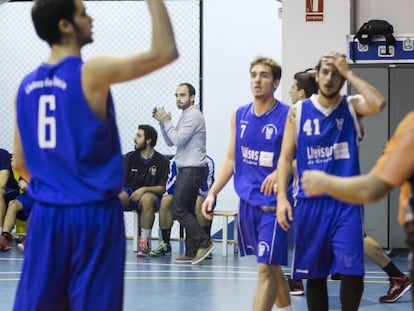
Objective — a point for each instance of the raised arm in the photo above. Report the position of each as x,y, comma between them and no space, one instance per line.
369,101
99,73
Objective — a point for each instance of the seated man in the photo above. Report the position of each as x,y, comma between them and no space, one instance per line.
166,214
18,208
9,189
146,172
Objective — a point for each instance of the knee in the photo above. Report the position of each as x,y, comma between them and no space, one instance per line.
265,272
15,206
177,214
124,198
147,202
165,205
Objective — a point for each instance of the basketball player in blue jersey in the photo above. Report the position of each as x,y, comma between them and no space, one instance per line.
66,145
256,137
323,133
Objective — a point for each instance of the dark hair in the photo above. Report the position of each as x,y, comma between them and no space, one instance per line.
306,81
149,133
46,15
319,64
274,66
191,89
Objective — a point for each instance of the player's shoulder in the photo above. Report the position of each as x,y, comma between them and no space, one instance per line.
162,157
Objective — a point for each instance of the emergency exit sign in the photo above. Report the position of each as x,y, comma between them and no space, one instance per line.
314,11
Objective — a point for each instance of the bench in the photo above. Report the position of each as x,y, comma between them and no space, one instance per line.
217,213
225,241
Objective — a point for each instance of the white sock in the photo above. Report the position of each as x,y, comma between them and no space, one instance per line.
287,308
145,233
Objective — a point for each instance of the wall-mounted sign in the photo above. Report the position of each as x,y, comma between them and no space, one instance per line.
314,11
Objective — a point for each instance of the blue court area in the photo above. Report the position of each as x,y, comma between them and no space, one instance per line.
221,283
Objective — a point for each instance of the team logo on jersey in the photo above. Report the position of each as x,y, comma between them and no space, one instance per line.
339,123
266,158
269,130
263,247
257,157
341,151
249,154
153,170
323,154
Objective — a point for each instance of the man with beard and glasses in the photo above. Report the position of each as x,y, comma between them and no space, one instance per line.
67,146
189,137
146,172
323,132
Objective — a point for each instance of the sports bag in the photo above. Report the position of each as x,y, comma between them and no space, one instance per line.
375,28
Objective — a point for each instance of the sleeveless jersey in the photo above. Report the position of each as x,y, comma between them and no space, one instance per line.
257,148
73,156
327,141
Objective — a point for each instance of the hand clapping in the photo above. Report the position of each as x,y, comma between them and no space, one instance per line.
160,114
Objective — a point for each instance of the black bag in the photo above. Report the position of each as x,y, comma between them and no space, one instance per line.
373,29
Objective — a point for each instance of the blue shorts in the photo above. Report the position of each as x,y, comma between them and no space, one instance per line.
10,194
27,203
328,239
74,258
133,206
259,234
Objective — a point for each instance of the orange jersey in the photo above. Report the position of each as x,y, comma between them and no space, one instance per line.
405,212
396,165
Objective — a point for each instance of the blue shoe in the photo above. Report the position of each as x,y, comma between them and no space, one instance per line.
163,249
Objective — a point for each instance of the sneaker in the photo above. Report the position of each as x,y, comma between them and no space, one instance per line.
399,285
163,249
143,248
295,286
5,241
209,256
202,253
184,259
20,244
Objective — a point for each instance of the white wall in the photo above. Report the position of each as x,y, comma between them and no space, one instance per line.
396,12
235,32
303,43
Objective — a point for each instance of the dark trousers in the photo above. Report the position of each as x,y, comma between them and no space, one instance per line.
189,180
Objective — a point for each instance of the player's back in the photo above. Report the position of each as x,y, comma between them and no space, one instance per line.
73,156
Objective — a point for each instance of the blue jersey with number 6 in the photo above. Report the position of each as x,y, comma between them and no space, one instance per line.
73,156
